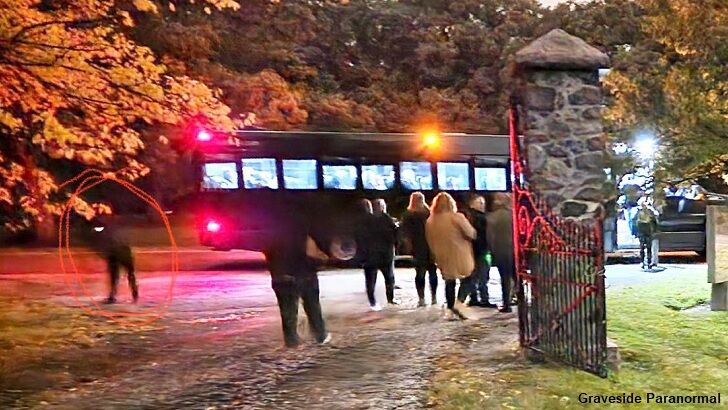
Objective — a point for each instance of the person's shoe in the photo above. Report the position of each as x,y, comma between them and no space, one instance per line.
110,300
327,339
472,303
460,310
394,302
375,307
421,303
488,305
135,297
397,287
434,300
505,309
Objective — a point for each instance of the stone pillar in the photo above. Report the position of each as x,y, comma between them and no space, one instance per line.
557,79
717,255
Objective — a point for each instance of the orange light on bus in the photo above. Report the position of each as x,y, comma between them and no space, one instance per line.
431,139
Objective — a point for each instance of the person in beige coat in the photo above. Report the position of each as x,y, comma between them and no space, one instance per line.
449,236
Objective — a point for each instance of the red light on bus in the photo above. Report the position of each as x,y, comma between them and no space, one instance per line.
213,226
204,136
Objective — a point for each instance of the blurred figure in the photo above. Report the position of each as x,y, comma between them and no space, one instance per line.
376,239
293,258
105,237
379,207
475,213
413,227
646,229
500,234
449,235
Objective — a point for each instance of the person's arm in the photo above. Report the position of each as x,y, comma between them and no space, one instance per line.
313,251
465,227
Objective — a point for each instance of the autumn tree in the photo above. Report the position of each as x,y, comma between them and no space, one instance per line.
78,90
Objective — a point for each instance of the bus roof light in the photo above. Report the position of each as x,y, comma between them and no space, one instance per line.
431,139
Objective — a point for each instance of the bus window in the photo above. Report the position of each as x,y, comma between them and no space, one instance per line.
415,176
377,177
340,177
222,175
453,176
491,179
259,173
300,174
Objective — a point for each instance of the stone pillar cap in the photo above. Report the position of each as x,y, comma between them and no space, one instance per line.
559,50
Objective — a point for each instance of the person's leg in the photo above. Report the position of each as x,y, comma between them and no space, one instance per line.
483,283
450,293
388,272
370,276
642,251
130,273
466,284
648,246
420,272
308,288
113,267
288,305
506,269
432,269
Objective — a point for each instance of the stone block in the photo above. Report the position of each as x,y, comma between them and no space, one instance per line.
590,193
719,297
592,113
587,95
540,98
597,143
573,208
536,157
591,161
575,146
557,150
557,129
614,359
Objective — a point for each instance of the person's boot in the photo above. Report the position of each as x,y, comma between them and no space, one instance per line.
390,296
110,300
433,300
421,302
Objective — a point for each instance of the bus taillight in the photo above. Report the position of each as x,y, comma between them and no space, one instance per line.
213,226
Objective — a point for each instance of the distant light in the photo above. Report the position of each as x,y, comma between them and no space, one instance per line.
646,146
204,135
98,228
213,226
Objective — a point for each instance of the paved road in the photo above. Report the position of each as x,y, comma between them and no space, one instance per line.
219,346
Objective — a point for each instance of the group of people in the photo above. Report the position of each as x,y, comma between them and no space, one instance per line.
463,245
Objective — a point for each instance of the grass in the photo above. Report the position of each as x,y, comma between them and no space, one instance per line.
664,350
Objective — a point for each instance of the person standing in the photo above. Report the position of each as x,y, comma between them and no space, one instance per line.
449,235
500,234
413,227
293,258
646,229
376,238
475,213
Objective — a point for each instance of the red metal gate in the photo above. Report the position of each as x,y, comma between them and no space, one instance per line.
560,276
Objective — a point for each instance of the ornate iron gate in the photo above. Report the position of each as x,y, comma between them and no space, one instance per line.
560,276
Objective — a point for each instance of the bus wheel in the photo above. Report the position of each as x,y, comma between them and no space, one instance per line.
702,256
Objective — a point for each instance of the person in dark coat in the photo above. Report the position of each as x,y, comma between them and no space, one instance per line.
293,258
646,222
500,231
475,213
413,228
105,237
376,239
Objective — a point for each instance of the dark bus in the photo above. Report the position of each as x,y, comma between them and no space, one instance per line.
331,172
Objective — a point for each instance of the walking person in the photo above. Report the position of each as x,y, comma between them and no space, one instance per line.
105,237
379,206
449,235
413,229
475,213
293,258
500,234
375,240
